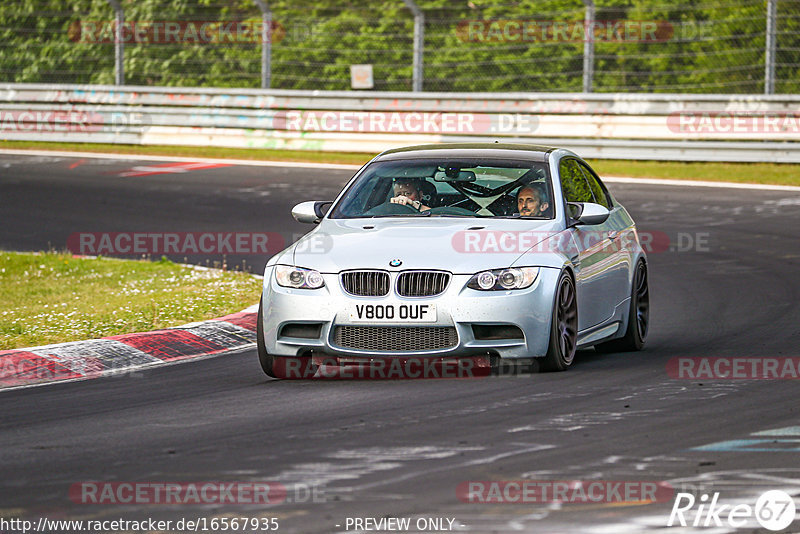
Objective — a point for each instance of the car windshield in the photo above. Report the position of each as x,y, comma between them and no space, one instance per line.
468,187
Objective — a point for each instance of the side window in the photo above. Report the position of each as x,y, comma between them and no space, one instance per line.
600,196
573,183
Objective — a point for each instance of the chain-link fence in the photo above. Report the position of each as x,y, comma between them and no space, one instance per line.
468,45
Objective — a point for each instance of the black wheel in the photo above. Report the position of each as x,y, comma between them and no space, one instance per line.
266,360
564,327
638,316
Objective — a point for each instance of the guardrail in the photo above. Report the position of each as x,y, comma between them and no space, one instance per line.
615,126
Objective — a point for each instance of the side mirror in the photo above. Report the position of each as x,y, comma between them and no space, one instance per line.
310,211
587,213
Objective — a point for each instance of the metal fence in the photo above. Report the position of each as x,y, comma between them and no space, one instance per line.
744,46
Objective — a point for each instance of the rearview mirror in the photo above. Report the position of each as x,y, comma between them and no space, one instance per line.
587,213
310,211
461,176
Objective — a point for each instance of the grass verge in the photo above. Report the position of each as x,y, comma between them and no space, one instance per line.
57,297
753,173
758,173
256,154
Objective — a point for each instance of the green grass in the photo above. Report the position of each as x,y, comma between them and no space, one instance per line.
353,158
756,173
760,173
55,297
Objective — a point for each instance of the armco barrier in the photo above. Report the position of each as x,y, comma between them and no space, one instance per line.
615,126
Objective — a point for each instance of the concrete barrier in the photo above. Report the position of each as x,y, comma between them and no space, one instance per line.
616,126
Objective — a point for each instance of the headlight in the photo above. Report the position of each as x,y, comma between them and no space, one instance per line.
298,277
503,279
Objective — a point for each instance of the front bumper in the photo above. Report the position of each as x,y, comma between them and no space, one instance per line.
459,307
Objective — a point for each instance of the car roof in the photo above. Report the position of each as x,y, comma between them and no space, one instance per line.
464,150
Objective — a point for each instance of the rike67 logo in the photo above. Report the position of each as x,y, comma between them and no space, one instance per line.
774,510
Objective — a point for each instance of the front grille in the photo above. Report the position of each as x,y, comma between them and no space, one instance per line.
422,283
366,283
395,338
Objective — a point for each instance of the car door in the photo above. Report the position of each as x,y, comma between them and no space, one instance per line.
593,263
617,230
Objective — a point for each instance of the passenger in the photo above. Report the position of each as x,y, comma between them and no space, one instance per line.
406,193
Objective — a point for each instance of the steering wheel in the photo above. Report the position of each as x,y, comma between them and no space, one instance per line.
389,208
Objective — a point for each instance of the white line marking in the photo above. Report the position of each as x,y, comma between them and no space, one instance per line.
785,431
340,166
469,463
142,157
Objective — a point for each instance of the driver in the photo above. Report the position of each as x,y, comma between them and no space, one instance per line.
531,202
406,193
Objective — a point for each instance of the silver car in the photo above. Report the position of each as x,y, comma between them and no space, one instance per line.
503,251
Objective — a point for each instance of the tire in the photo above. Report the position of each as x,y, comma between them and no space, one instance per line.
297,367
563,327
638,316
266,360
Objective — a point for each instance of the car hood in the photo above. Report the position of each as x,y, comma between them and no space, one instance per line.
459,245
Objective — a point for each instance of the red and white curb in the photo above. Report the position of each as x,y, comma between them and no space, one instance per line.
80,360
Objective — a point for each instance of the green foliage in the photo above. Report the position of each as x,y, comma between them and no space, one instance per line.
576,189
706,47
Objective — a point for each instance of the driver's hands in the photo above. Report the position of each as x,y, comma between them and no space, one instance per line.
405,201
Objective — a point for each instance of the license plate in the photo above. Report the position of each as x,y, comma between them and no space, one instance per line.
393,313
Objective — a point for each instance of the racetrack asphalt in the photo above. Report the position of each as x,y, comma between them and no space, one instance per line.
402,448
